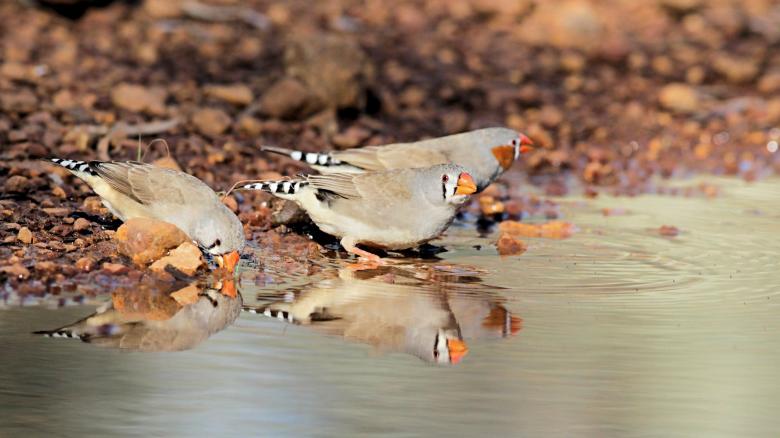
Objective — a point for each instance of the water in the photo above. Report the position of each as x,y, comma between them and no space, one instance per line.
616,331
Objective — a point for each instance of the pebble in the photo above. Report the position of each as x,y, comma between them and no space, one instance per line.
185,258
145,240
211,122
236,94
24,235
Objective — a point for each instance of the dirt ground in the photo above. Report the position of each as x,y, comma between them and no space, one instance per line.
612,93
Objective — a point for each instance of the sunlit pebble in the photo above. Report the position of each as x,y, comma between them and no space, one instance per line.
772,146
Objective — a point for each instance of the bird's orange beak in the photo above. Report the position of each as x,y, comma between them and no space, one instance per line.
458,350
525,145
525,141
466,185
229,261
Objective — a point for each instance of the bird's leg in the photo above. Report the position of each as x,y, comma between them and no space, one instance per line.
349,245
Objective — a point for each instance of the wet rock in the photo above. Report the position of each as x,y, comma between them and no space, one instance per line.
211,122
16,184
85,264
288,98
508,244
187,295
114,268
680,98
145,240
185,258
16,270
57,211
333,67
236,94
490,206
25,235
549,230
137,98
668,230
81,224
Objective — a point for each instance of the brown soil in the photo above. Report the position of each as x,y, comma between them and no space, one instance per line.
612,92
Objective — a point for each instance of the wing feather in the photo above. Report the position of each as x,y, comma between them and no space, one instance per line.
341,184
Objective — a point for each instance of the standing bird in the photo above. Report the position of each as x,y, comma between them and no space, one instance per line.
394,209
485,153
133,190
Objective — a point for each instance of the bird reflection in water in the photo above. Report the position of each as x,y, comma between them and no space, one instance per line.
428,311
148,319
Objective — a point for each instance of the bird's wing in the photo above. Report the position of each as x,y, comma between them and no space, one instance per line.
340,184
149,184
392,156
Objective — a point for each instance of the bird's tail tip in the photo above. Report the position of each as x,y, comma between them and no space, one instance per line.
286,187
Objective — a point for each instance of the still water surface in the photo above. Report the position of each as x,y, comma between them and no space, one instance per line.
616,331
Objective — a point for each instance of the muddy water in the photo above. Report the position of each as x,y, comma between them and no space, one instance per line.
617,331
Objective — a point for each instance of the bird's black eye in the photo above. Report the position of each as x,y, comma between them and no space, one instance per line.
514,142
217,242
445,178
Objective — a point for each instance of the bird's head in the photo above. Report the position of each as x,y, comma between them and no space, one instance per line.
506,145
456,184
221,237
448,347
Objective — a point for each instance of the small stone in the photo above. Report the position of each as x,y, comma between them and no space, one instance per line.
680,98
16,184
114,268
250,126
136,98
22,101
57,211
93,205
287,98
510,245
736,70
59,192
144,240
187,295
16,270
186,258
549,230
211,122
45,266
236,94
81,224
24,235
85,264
490,205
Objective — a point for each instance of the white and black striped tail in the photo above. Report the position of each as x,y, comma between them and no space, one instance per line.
277,187
281,315
59,333
312,158
75,165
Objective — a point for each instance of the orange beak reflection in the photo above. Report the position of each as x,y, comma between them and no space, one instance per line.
228,261
458,350
466,185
